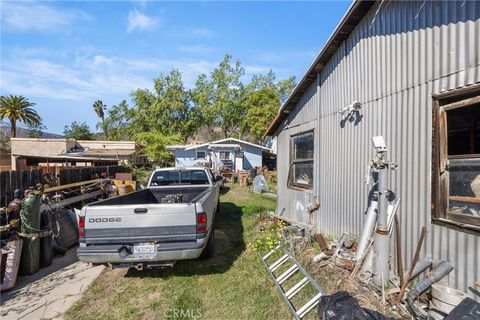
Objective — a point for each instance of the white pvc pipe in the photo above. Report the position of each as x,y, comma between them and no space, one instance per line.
382,223
381,257
368,227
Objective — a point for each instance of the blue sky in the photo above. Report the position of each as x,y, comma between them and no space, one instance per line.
65,55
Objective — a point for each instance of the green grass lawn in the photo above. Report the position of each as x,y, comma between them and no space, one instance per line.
231,285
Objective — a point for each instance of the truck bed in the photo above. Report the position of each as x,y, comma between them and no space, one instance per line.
156,196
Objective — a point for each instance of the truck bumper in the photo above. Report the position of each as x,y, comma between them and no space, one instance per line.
123,254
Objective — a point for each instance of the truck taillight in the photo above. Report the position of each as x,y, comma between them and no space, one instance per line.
202,218
201,224
81,226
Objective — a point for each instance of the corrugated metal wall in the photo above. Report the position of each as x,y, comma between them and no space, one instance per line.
294,202
398,56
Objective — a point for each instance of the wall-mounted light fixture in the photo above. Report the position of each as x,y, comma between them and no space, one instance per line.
355,106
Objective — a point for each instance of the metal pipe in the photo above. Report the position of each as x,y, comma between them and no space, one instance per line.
382,200
399,249
382,237
70,201
443,269
368,229
414,262
381,257
73,185
421,265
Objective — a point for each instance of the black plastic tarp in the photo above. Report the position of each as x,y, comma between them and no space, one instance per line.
342,306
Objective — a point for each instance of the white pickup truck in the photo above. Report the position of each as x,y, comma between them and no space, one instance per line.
170,220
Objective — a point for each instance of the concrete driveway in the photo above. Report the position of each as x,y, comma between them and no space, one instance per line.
48,293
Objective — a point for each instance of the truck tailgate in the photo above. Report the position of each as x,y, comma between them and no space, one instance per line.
125,224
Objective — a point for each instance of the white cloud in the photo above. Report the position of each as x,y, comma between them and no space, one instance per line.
30,16
85,74
139,21
84,77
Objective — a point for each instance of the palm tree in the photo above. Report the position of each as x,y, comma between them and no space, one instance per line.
99,109
18,108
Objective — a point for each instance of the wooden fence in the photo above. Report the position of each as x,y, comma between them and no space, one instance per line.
12,180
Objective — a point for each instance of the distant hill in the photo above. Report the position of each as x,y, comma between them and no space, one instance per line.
23,133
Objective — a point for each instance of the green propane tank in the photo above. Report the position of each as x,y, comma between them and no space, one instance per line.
30,215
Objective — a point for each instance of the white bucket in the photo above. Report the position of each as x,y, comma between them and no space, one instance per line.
445,298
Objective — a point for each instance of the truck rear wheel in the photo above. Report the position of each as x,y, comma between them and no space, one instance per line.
209,248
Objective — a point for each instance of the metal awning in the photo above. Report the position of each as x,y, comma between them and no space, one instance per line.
224,146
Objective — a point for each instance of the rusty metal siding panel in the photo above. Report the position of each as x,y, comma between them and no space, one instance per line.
395,59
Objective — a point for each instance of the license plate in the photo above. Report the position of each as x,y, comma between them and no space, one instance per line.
144,248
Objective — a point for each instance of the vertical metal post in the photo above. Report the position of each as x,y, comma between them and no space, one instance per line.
382,200
382,238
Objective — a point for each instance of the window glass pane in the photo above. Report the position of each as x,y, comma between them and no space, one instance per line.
303,146
303,173
464,130
201,154
464,187
193,177
165,178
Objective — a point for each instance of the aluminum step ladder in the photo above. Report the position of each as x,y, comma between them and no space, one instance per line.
295,267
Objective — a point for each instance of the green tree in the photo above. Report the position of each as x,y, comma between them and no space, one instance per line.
260,81
219,99
117,121
142,116
264,96
18,108
166,110
282,87
285,87
155,145
99,109
262,106
35,130
78,131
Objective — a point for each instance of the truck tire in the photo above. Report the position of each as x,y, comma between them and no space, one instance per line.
209,248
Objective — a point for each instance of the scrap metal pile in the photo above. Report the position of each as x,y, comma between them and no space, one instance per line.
366,263
44,222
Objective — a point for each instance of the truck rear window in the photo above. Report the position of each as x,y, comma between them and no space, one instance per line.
176,177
